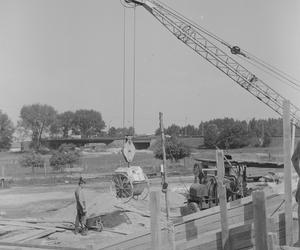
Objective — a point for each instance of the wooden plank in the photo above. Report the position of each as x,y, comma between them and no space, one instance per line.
241,237
155,220
260,222
238,214
230,205
38,235
272,241
287,248
129,208
29,225
287,172
32,234
9,245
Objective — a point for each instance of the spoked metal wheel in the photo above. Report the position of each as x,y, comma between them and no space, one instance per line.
121,187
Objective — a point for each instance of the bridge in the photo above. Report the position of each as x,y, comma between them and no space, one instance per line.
140,142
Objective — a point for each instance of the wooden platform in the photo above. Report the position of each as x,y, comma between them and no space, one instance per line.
202,230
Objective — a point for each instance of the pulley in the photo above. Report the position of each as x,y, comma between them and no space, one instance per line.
128,149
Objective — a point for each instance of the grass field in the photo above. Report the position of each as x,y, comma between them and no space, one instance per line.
105,163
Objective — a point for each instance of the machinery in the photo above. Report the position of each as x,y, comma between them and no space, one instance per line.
198,39
203,192
129,182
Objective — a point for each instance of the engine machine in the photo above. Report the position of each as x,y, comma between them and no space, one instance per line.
203,193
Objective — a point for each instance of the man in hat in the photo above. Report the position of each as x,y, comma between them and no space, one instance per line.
295,161
81,208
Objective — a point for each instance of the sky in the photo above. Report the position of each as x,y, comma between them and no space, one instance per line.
70,54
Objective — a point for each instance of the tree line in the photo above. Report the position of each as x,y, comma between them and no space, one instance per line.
231,133
38,121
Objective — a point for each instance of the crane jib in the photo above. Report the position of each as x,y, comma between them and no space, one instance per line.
196,39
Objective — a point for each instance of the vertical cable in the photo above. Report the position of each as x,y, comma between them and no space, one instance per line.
133,102
124,63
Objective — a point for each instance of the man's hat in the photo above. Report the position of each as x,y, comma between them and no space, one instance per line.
81,180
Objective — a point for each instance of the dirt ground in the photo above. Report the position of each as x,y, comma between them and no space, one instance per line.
56,204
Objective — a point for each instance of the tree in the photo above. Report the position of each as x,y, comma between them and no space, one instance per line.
6,131
65,156
189,130
37,118
235,136
88,123
173,130
158,131
120,132
32,160
211,135
175,150
65,122
112,131
266,139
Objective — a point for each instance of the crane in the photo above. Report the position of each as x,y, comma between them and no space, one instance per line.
197,39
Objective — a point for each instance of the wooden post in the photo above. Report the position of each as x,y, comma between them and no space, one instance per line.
170,226
223,201
45,168
220,165
3,177
260,220
287,172
155,220
293,138
272,241
164,176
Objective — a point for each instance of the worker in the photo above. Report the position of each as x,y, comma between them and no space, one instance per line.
81,208
295,161
198,173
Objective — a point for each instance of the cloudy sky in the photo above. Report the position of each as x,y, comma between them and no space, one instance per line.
69,54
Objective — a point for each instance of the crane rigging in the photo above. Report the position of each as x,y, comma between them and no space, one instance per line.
197,39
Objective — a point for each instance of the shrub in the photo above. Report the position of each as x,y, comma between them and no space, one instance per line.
211,135
64,157
175,150
32,160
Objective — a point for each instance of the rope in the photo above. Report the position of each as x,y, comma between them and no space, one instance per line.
124,64
275,70
297,88
133,94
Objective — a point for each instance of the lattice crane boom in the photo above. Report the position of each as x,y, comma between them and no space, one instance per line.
197,40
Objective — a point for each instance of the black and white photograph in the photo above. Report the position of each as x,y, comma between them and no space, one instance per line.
149,124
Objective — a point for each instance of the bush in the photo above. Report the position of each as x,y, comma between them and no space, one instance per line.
175,150
64,157
266,140
32,160
211,135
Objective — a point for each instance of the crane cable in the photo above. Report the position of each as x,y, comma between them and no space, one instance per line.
279,73
294,86
236,50
124,66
